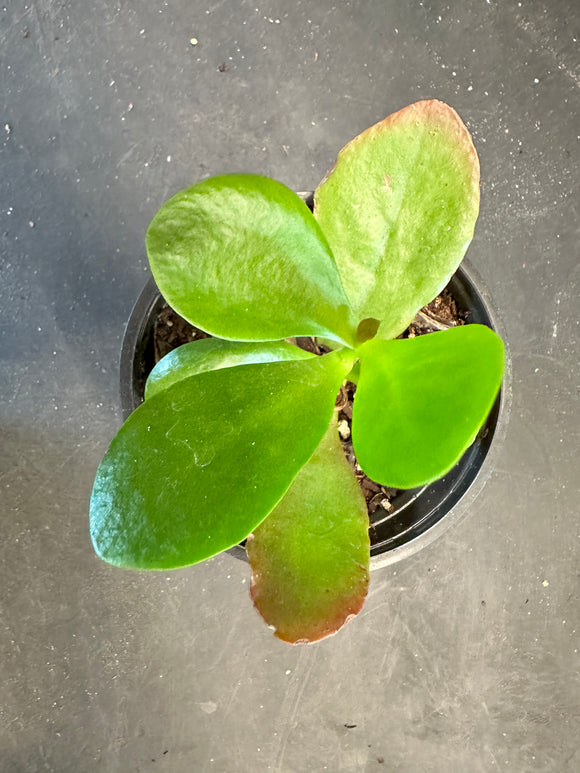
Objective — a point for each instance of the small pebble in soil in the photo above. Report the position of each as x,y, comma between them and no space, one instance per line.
343,429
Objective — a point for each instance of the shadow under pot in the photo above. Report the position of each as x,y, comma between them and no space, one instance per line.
404,520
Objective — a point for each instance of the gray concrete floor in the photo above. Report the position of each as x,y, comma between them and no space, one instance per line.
465,658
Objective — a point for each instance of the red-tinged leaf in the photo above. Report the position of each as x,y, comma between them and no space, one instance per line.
399,210
310,557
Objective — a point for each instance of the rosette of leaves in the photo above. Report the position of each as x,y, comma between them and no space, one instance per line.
244,259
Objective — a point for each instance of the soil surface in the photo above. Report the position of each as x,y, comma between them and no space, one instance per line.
172,331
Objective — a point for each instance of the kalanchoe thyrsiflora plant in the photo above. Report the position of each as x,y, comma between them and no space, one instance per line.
244,259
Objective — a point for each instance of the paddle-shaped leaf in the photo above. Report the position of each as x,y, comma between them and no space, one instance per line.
214,354
399,210
198,466
242,257
420,402
310,557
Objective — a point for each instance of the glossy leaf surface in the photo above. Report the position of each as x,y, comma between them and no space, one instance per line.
310,557
198,466
214,354
242,257
399,210
420,402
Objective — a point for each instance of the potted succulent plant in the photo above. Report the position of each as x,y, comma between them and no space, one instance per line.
244,259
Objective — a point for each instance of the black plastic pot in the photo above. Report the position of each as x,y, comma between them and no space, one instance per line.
418,515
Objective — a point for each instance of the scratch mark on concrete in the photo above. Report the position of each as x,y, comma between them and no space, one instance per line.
542,42
555,325
309,656
128,154
10,29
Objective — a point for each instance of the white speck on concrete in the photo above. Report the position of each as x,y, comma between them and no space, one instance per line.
208,707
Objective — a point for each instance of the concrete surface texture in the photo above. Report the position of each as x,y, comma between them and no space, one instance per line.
465,658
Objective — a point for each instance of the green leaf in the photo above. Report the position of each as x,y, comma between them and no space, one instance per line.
310,557
198,466
399,210
420,402
242,257
214,354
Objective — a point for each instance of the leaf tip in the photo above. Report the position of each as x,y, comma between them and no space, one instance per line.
367,329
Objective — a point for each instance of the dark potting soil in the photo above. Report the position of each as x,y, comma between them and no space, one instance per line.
172,331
